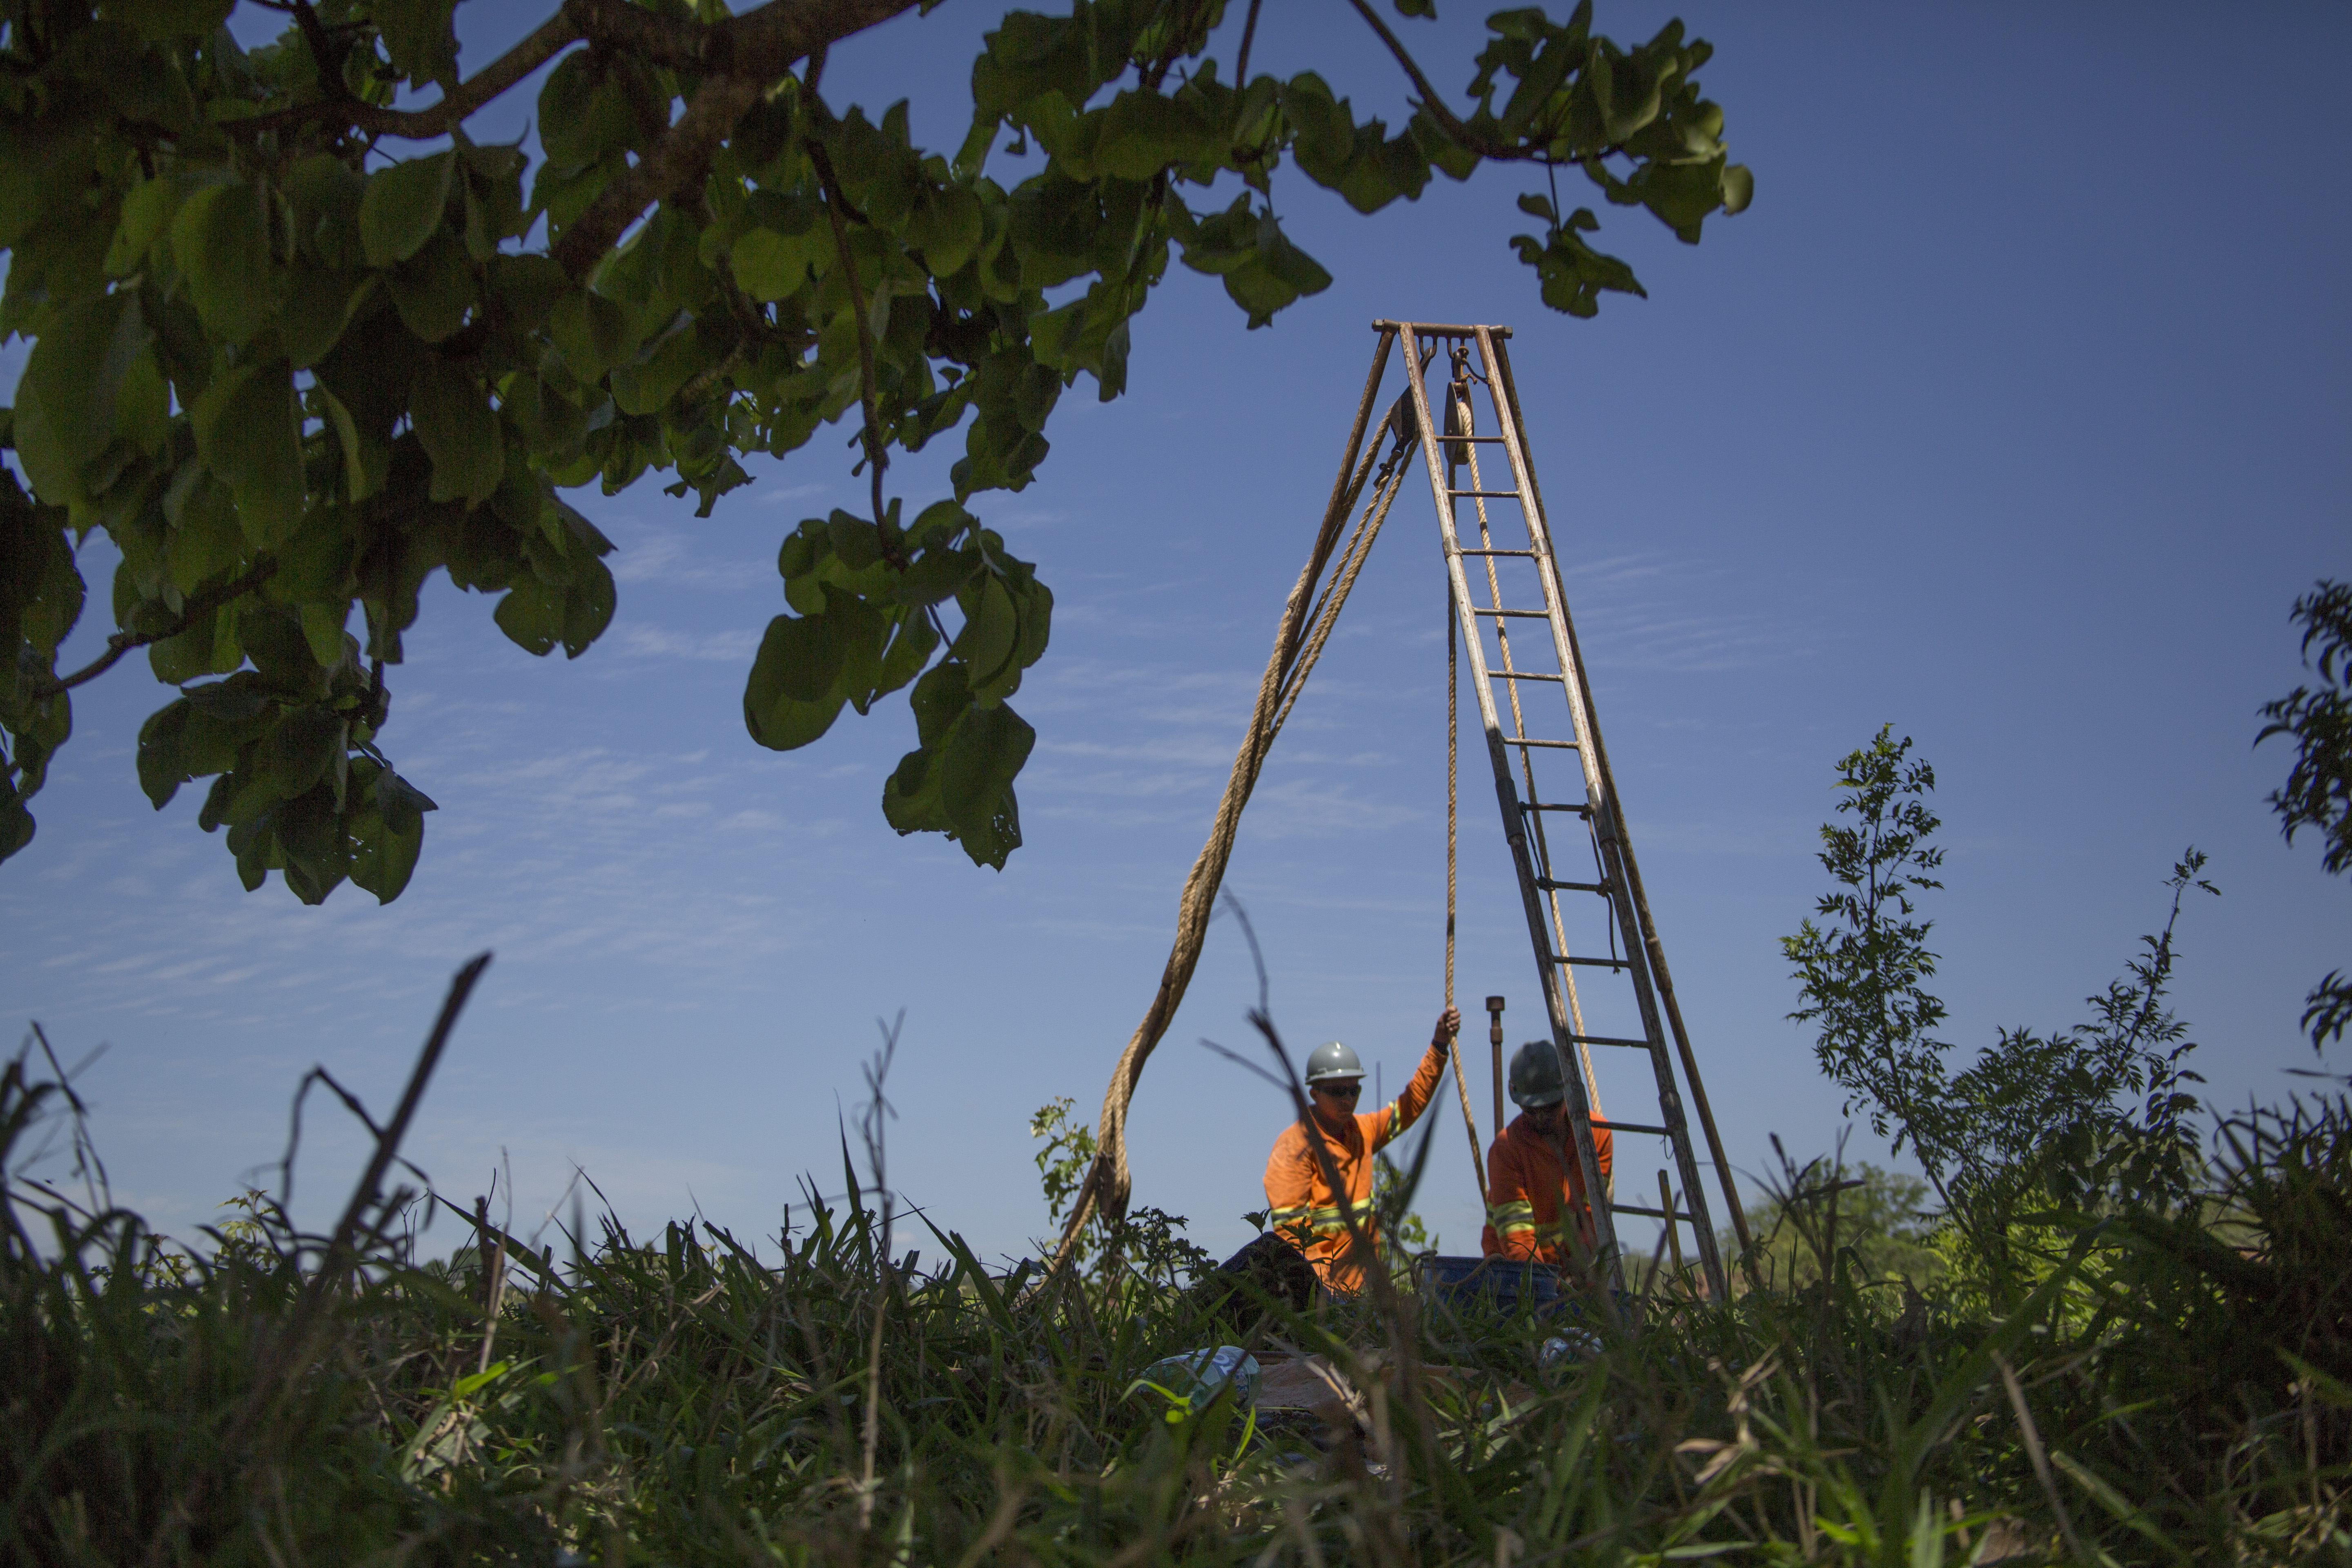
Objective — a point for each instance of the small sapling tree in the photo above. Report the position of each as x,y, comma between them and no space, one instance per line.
2069,1119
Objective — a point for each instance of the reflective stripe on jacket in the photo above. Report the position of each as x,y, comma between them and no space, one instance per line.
1525,1178
1302,1206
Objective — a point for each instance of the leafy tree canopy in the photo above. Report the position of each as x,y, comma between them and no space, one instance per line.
300,341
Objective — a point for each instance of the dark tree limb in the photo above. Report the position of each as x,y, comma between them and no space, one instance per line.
766,41
191,612
323,52
837,208
677,160
546,41
1451,124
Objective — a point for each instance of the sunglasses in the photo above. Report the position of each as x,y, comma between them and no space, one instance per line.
1339,1091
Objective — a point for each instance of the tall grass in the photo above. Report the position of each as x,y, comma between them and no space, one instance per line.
2176,1386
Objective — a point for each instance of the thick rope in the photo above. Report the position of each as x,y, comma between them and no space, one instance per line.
1108,1181
1326,612
1453,774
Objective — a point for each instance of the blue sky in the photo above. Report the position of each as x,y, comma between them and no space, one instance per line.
2012,413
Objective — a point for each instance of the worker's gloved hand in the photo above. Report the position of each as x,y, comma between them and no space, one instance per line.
1449,1024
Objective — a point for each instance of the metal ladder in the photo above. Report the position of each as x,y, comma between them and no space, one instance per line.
1450,450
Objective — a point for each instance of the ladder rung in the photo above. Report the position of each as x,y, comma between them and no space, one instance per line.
1496,440
1607,1040
1481,495
1634,1127
1554,805
1516,614
1593,962
1554,745
1550,886
1653,1214
1521,675
1527,552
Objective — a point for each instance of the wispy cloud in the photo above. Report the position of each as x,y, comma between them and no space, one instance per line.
1681,615
647,552
732,646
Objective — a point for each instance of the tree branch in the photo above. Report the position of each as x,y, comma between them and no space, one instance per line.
549,38
1430,99
676,162
191,611
1499,151
322,52
766,41
836,207
1249,35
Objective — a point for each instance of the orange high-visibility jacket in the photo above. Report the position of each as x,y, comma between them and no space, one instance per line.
1300,1203
1525,1178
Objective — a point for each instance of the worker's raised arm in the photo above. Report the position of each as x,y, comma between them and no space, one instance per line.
1402,1112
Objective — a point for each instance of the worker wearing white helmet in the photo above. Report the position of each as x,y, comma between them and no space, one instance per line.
1301,1202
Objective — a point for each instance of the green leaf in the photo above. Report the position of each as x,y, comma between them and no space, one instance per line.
220,239
583,112
531,615
323,628
646,387
434,290
160,19
1144,133
1738,189
592,332
588,604
298,752
209,647
768,266
68,398
946,227
960,782
324,194
858,630
162,767
357,483
142,407
207,540
909,650
249,432
385,829
963,757
939,698
417,36
992,626
41,595
459,432
16,825
319,306
403,206
1575,275
977,765
789,698
146,212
